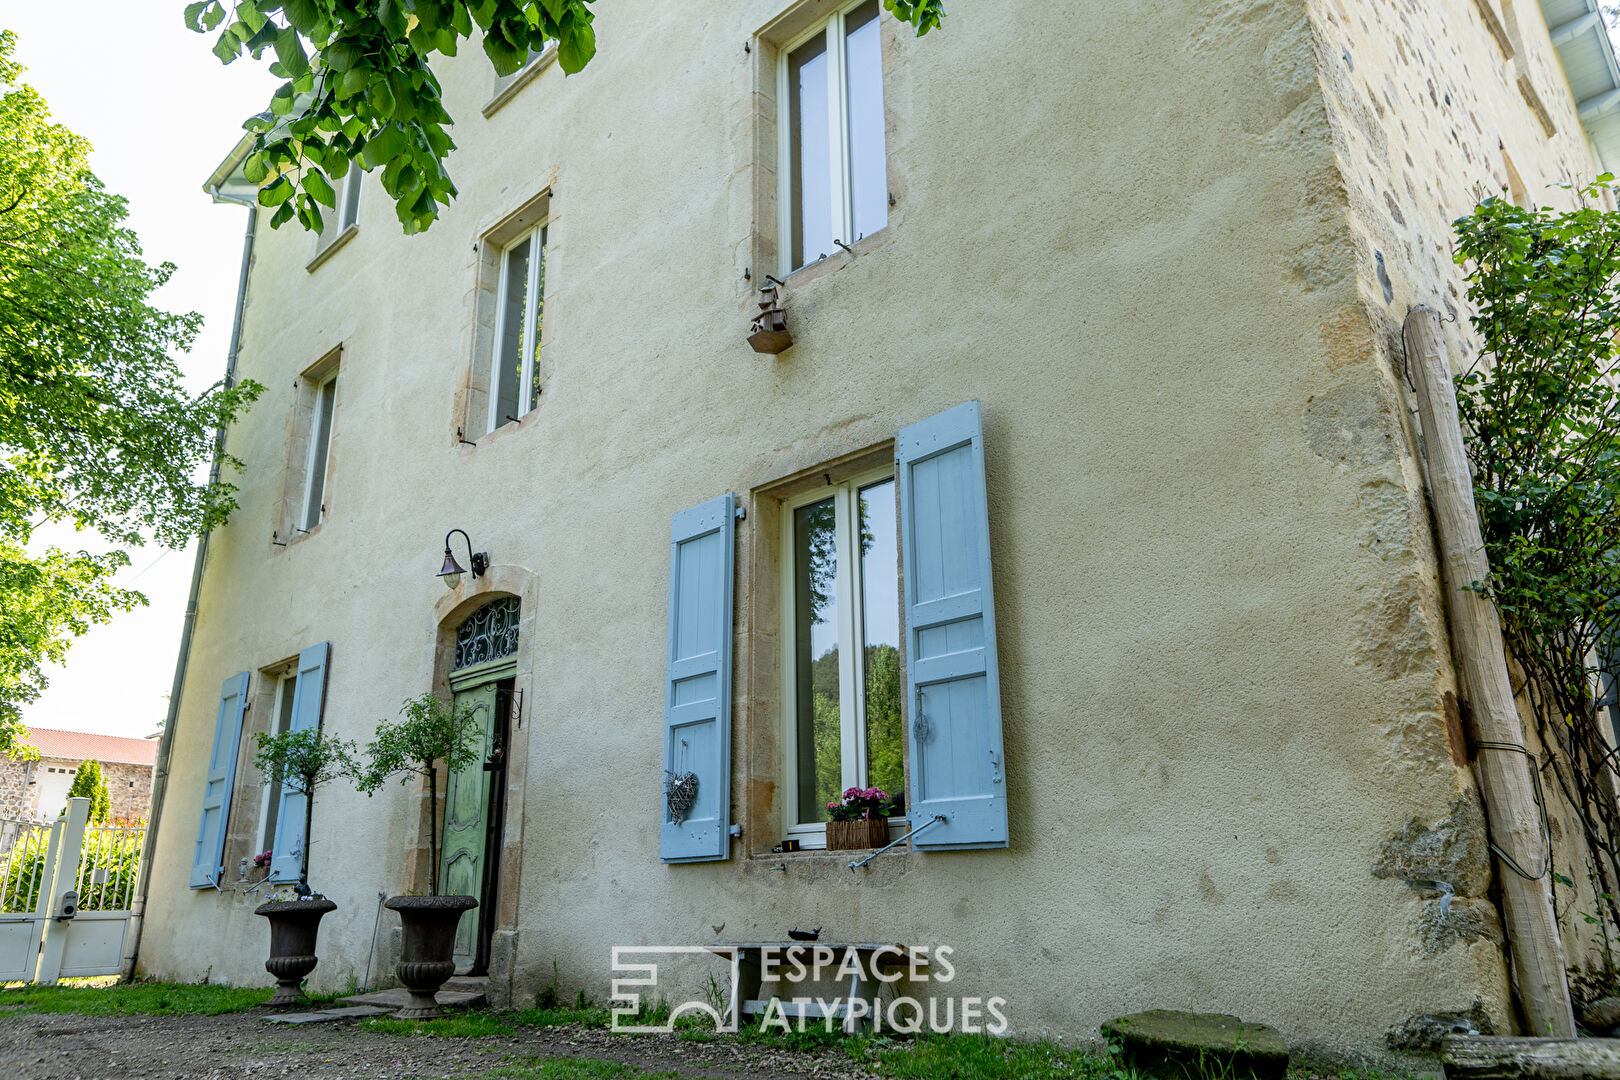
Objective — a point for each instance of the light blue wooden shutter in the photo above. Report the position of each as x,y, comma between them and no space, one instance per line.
952,680
697,703
309,695
206,864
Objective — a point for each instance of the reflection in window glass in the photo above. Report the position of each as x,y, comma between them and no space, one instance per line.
880,621
820,735
509,365
810,129
868,178
319,450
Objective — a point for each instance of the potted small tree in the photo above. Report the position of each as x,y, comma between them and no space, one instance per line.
429,735
300,761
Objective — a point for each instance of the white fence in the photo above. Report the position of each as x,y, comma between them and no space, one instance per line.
65,894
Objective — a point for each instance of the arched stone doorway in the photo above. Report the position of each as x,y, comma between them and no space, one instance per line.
482,658
482,679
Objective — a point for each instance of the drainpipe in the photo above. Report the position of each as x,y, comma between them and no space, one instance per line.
160,774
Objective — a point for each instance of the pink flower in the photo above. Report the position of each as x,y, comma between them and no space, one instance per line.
262,859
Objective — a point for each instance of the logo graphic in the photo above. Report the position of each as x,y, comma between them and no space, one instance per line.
627,998
789,982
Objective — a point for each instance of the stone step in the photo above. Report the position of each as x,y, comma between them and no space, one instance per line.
326,1016
468,997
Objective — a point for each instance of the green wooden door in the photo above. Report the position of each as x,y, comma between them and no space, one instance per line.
466,826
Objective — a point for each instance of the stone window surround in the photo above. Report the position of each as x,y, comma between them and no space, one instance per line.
508,87
300,425
761,253
471,407
761,799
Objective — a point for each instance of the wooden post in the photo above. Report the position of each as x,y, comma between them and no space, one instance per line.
1481,659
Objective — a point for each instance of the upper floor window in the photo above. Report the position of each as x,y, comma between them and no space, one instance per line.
830,92
507,86
515,371
339,223
320,444
306,488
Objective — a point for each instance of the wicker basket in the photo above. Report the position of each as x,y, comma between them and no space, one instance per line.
856,835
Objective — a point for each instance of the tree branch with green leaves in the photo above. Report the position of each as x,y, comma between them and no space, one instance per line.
428,734
96,427
1541,413
360,89
303,760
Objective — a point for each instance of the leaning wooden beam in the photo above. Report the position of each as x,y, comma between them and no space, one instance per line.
1476,641
1485,1057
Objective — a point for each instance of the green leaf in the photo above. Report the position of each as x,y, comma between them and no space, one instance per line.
290,51
319,189
276,192
256,168
194,13
342,56
281,102
385,145
227,48
576,46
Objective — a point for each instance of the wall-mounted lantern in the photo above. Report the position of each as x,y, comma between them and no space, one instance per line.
770,333
451,570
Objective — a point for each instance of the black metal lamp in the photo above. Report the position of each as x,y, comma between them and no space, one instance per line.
451,571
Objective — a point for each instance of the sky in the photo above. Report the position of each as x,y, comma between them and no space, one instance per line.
161,112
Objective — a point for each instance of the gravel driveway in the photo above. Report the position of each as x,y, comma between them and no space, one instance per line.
71,1047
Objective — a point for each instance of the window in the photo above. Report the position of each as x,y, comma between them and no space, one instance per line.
320,441
490,633
280,721
830,93
515,371
306,492
339,222
842,671
507,86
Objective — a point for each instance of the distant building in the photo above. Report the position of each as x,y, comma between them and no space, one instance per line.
37,790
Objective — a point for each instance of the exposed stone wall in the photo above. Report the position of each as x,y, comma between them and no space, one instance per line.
1435,105
129,788
14,777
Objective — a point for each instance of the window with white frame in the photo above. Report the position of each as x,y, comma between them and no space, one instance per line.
320,444
843,680
833,170
280,722
515,370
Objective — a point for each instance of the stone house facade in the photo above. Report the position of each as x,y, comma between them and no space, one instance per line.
36,790
1085,510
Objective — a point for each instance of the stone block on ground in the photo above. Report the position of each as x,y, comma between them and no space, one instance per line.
325,1016
1187,1045
399,997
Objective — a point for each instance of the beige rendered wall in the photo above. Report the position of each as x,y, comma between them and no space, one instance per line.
1123,228
1433,108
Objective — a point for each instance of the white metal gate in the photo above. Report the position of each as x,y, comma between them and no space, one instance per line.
65,894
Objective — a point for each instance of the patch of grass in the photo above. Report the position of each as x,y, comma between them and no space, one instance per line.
560,1017
147,999
472,1025
983,1057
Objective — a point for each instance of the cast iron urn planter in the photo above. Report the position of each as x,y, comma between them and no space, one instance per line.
427,958
293,927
